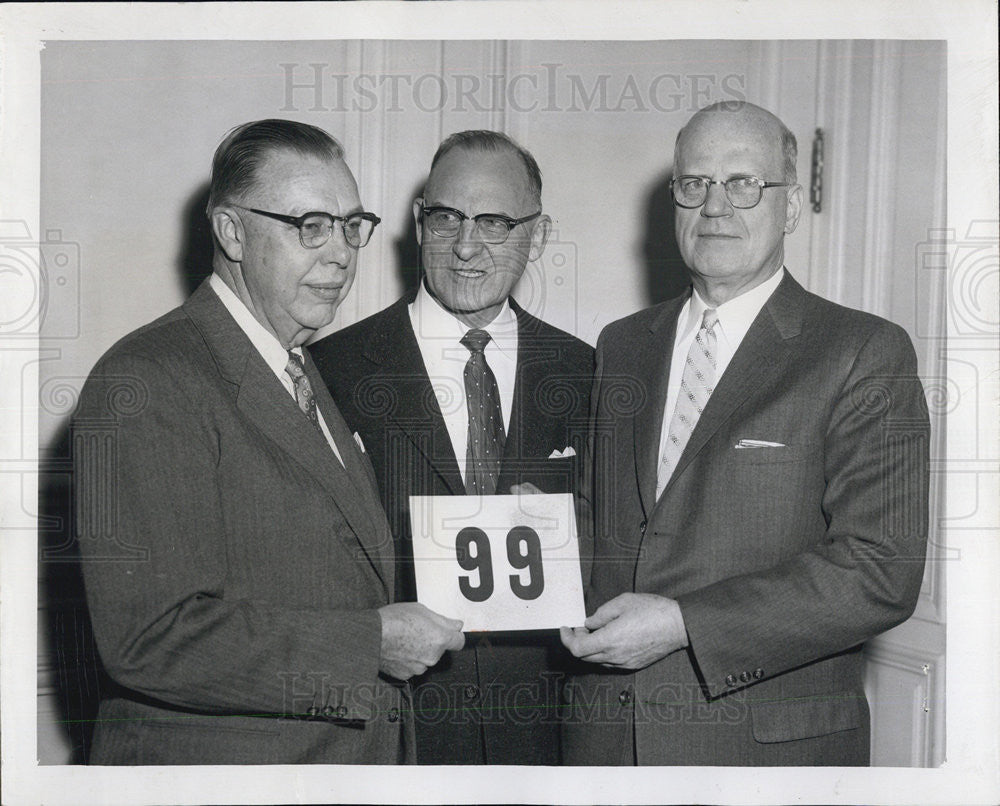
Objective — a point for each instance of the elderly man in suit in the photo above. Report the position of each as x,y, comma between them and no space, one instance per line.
759,489
238,563
457,390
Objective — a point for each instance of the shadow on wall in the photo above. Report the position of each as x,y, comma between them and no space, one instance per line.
666,275
76,672
406,248
194,262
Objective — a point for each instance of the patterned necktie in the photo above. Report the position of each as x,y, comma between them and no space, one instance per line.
697,384
486,436
303,389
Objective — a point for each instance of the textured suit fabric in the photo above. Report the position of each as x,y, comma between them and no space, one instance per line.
496,700
784,560
233,567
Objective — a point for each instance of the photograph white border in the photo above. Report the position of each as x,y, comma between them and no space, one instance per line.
969,775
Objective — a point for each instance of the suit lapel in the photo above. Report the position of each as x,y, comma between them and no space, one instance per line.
376,540
524,423
653,362
264,401
761,357
400,366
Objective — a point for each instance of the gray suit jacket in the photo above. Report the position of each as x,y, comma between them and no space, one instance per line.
233,567
784,559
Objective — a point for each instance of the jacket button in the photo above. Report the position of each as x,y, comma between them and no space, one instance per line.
625,697
758,674
342,712
730,680
312,710
393,714
471,692
745,677
642,528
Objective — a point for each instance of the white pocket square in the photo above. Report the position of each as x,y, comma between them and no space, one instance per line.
757,443
565,453
360,442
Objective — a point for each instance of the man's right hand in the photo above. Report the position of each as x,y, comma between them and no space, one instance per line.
414,638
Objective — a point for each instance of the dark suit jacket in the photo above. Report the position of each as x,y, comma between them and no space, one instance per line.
784,560
494,701
233,567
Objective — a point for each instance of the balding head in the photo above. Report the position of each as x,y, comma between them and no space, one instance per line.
749,117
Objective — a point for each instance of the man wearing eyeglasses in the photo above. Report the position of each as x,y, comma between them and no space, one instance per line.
246,615
457,390
765,508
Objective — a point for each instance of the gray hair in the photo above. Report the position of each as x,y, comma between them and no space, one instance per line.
244,149
485,140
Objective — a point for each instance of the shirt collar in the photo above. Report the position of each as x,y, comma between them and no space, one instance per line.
266,342
436,322
736,315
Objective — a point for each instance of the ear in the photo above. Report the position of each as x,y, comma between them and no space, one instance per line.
418,205
539,237
229,233
793,208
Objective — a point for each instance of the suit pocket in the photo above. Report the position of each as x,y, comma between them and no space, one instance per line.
790,720
554,475
773,455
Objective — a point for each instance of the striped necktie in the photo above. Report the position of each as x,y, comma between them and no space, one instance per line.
486,434
697,383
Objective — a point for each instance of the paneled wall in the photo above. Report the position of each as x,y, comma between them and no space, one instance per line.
128,129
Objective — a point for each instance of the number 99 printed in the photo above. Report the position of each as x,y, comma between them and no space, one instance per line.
524,551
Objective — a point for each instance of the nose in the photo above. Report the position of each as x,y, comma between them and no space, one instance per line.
717,203
336,249
467,243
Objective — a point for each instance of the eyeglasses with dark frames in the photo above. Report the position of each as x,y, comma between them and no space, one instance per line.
493,228
315,228
744,191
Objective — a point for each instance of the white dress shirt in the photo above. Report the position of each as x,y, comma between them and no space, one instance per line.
270,349
439,334
735,318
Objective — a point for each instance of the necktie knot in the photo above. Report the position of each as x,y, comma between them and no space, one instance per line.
709,319
295,367
475,341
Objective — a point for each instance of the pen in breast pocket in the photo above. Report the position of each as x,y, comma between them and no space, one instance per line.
758,443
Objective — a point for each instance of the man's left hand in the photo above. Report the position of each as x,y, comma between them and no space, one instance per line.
631,631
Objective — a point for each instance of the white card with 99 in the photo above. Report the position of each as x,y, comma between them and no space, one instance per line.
498,562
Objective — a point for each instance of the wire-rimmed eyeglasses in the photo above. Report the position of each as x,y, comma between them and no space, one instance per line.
743,191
